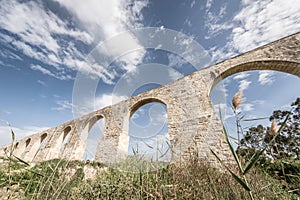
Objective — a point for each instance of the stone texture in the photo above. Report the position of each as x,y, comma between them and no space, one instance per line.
193,126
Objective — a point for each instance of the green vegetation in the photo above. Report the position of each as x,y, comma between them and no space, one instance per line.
60,179
287,143
257,173
260,143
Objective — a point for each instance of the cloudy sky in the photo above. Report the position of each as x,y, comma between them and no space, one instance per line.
46,45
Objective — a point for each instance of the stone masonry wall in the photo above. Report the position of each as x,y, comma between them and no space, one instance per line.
192,123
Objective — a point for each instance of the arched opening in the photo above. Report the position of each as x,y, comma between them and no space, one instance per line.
288,67
94,129
148,131
42,142
16,145
266,86
143,102
43,137
27,142
66,136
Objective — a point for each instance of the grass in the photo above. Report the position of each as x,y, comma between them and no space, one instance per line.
195,179
136,178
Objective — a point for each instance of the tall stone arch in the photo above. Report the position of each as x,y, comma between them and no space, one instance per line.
290,67
193,126
282,55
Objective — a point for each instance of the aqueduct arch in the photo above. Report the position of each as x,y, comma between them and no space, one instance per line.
274,65
142,102
92,121
88,128
150,130
193,126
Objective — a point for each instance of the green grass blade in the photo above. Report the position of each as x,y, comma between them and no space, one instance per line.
22,161
147,144
12,135
164,153
12,138
252,161
229,144
232,150
238,179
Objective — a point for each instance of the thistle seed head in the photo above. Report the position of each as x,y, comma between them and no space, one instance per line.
237,99
274,128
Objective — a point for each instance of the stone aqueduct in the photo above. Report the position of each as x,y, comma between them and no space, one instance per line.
193,125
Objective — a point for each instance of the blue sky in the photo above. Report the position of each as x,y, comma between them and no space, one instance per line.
44,45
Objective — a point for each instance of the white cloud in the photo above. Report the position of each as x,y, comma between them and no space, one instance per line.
246,107
214,20
5,132
98,15
56,96
42,83
258,102
135,115
285,107
224,109
39,35
31,52
176,61
244,84
188,22
241,75
208,5
174,75
220,106
44,36
193,3
21,19
266,77
108,19
41,69
257,23
62,105
8,54
159,116
7,112
107,100
49,73
90,105
265,21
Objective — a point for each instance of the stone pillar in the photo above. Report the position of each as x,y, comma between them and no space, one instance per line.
54,143
124,138
116,119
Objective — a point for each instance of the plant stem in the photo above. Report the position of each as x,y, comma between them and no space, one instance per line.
250,192
238,126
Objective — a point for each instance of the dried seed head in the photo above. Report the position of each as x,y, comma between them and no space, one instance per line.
274,128
237,99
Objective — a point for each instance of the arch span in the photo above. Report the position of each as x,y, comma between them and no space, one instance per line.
66,131
64,140
275,65
91,122
43,137
26,147
148,133
92,133
142,102
27,142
